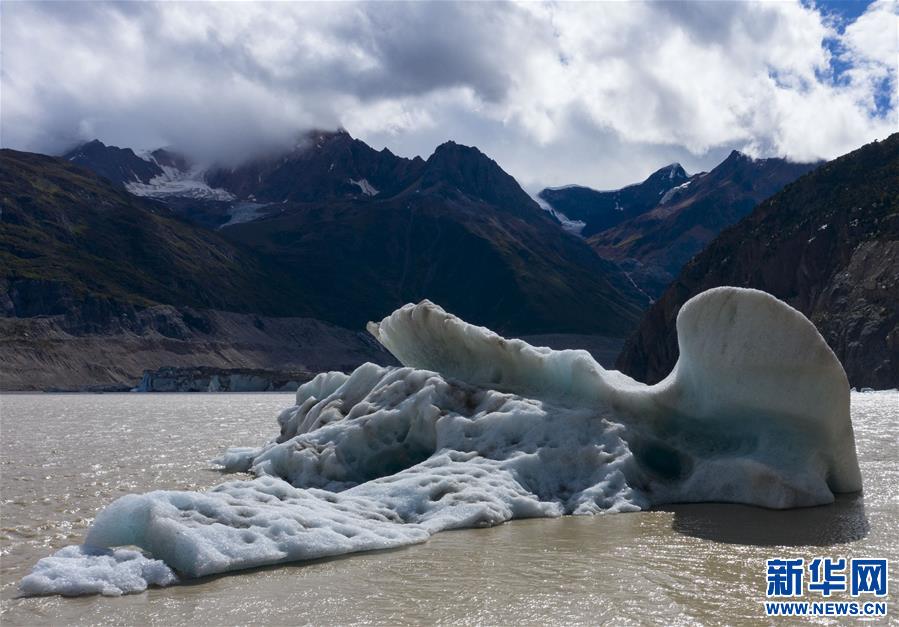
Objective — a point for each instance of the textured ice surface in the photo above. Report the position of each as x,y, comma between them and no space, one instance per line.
241,524
476,429
76,570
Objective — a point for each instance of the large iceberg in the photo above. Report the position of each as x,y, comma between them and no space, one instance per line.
476,430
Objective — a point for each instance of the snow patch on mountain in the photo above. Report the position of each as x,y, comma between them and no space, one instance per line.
674,190
366,187
189,183
574,227
241,212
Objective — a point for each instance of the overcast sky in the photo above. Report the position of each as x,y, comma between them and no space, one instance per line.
592,93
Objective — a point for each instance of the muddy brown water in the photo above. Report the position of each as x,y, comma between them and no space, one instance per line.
64,457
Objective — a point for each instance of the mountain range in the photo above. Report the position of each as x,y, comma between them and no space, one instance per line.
828,245
600,210
651,229
175,260
168,258
69,236
361,232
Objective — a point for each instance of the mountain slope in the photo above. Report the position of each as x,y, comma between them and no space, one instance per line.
84,266
463,234
118,165
455,229
655,245
67,235
601,210
457,172
322,166
827,244
110,348
651,229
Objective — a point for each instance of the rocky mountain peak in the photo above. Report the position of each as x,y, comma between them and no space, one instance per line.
672,174
118,165
826,244
456,168
166,157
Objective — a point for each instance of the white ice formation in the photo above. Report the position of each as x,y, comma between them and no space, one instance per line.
476,430
189,183
79,570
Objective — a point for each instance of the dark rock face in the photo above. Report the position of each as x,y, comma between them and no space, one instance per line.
655,245
118,165
601,210
828,245
35,297
323,166
167,158
455,170
463,234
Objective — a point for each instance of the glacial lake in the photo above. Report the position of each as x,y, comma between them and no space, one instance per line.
64,457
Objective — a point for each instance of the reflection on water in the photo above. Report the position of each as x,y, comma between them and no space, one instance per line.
66,456
841,522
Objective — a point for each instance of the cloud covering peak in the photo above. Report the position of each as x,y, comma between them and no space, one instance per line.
596,93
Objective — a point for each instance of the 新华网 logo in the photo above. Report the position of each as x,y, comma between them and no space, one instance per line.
864,580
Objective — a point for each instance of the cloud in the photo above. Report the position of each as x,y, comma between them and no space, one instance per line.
595,93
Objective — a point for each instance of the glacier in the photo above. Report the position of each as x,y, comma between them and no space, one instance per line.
474,430
189,183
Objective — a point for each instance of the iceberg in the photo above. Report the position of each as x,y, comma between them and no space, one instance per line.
79,570
474,429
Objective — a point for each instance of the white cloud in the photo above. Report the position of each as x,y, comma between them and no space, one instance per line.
871,46
873,36
596,93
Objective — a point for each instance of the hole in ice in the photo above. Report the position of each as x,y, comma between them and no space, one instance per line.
662,460
392,460
442,491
